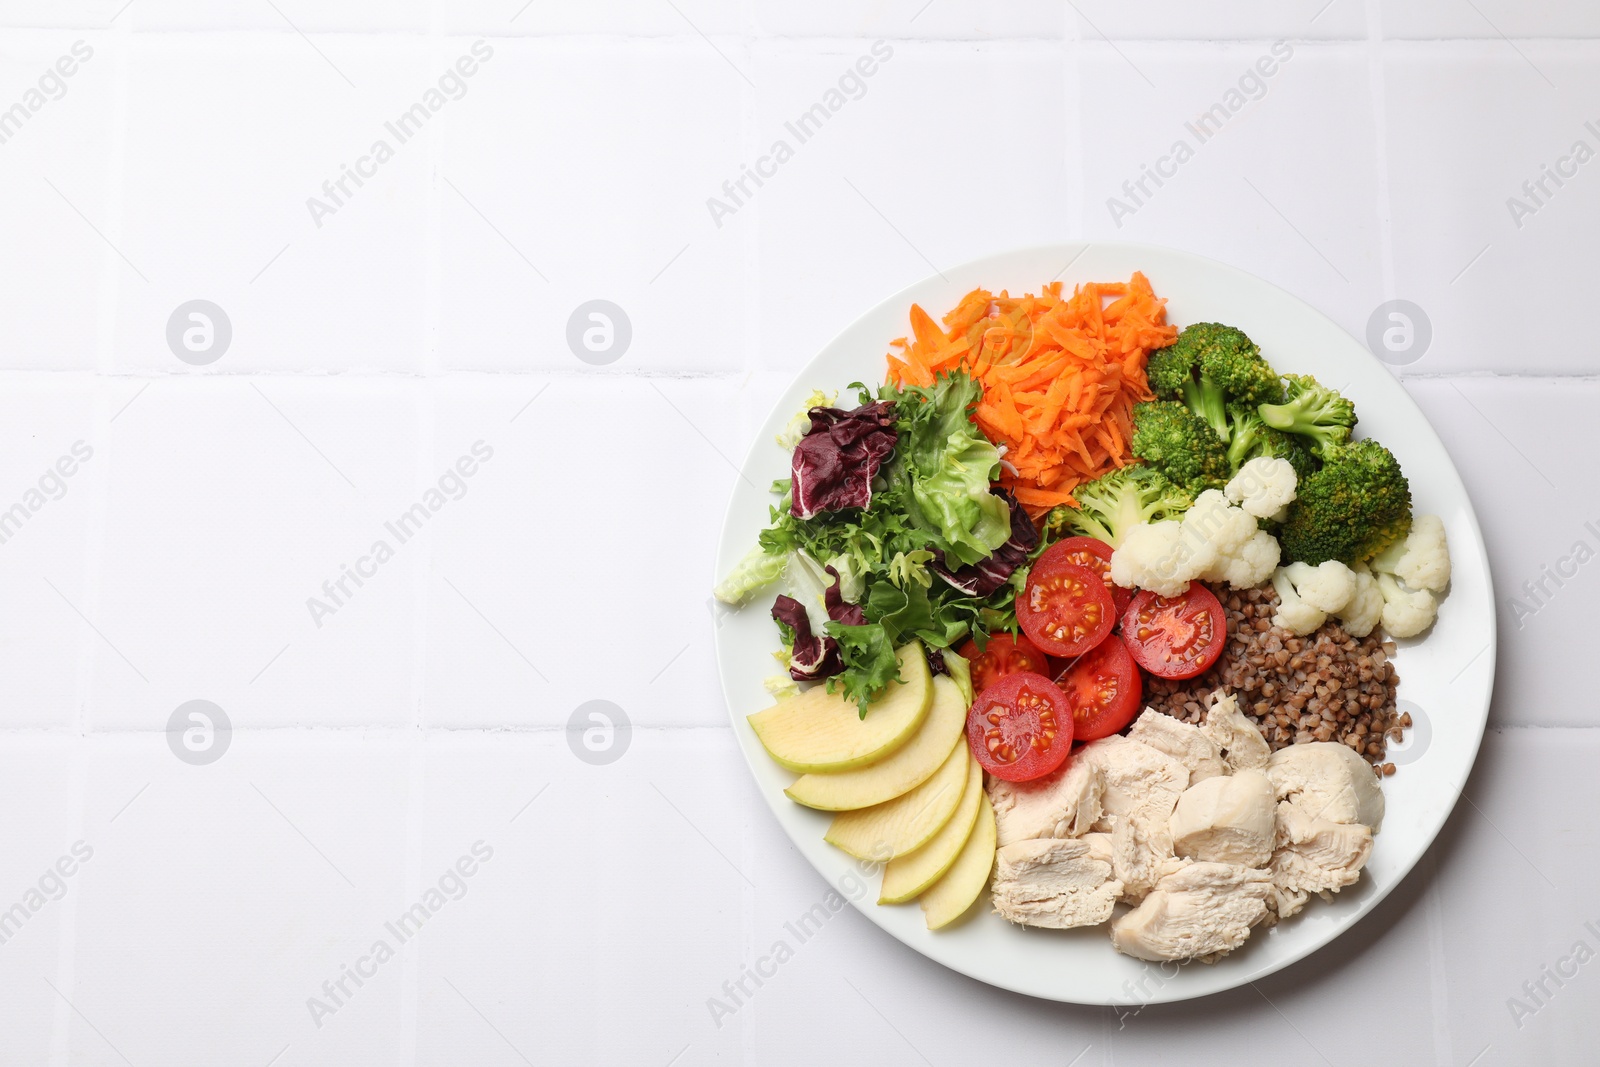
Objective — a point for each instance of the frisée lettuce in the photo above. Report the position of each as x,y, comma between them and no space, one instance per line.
872,575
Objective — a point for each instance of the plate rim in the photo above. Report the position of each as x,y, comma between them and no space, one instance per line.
1170,991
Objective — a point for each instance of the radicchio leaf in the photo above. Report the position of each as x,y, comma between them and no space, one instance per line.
840,609
835,462
984,577
813,656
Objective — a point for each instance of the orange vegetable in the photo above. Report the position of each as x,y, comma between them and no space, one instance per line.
1060,377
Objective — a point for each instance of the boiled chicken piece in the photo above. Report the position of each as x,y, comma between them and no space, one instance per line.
1327,780
1231,819
1233,732
1137,778
1315,856
1200,909
1187,744
1063,804
1141,786
1057,883
1141,853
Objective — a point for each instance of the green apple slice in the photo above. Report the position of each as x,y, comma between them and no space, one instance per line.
897,773
823,731
952,895
907,822
907,877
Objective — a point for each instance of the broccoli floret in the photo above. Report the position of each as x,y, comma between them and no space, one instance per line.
1313,411
1114,503
1253,438
1180,444
1354,506
1209,366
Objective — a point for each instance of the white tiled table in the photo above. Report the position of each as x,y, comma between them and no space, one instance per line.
426,713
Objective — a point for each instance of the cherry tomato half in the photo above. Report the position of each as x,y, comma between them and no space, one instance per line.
1002,655
1176,637
1103,686
1095,554
1065,609
1020,728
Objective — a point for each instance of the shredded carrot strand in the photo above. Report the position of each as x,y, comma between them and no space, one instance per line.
1060,376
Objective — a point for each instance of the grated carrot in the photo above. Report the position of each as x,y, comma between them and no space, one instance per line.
1060,376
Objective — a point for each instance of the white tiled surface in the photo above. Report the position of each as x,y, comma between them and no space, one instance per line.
428,315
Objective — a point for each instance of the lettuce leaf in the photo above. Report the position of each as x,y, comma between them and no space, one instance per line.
760,566
951,465
869,662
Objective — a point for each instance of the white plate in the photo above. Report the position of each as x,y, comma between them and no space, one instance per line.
1446,677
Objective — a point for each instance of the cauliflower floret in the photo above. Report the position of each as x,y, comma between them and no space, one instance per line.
1422,560
1264,486
1326,587
1406,612
1214,542
1213,521
1294,614
1251,565
1156,556
1365,607
1213,533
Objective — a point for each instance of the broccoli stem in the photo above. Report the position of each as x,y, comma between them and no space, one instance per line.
1299,415
1206,400
1308,415
1244,439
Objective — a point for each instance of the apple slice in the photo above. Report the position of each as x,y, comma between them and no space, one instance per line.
823,731
907,822
952,895
897,773
907,876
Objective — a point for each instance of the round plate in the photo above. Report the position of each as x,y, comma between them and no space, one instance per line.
1446,676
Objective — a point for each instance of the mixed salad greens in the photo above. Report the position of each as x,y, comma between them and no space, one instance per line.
893,521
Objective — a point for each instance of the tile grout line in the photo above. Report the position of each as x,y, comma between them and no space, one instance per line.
1072,107
750,255
1433,915
411,966
1377,93
751,36
67,943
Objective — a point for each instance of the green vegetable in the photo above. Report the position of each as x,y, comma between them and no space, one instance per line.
882,552
1252,438
1313,411
951,465
1356,505
1209,366
1114,503
759,566
800,421
869,663
1181,445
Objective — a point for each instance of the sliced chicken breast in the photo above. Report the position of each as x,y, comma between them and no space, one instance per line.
1057,883
1315,856
1187,744
1063,804
1231,819
1202,910
1137,778
1232,731
1327,780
